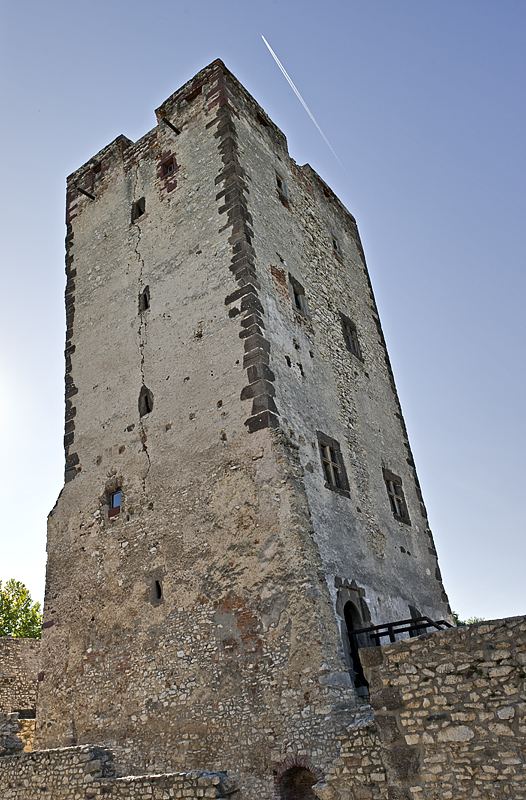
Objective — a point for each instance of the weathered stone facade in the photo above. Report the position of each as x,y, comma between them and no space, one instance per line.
76,773
449,722
450,712
239,495
19,667
208,375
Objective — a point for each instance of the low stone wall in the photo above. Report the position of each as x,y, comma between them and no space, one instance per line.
19,666
450,712
71,773
449,724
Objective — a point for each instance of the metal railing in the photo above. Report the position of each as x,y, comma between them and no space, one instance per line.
414,627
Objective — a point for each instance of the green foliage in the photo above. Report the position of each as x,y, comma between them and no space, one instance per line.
469,621
19,616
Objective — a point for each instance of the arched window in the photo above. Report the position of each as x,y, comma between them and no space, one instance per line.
296,784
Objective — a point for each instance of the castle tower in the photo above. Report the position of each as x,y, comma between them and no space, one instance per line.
239,487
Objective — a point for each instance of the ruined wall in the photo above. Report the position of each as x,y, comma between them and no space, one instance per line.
88,772
19,667
449,722
450,711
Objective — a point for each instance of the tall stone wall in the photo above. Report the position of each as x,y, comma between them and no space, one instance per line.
450,712
200,621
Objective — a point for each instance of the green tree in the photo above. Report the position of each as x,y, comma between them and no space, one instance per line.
469,621
19,616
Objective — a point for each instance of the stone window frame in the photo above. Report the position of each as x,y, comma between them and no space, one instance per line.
168,166
298,296
352,343
333,465
395,493
115,503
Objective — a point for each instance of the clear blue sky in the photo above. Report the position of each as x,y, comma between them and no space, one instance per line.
424,103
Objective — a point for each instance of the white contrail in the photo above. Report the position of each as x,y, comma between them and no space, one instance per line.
302,101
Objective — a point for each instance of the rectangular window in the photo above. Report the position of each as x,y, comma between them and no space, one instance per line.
350,334
395,493
299,301
115,504
332,463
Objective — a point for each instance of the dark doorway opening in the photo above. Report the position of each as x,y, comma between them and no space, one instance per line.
296,784
353,622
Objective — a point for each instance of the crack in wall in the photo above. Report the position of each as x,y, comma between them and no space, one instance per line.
141,332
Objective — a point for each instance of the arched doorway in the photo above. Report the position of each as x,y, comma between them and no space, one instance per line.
296,784
353,622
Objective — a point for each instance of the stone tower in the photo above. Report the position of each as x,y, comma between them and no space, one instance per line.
239,487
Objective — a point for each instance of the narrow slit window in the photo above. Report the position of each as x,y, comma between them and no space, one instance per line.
145,402
115,504
138,209
337,250
144,300
283,189
156,592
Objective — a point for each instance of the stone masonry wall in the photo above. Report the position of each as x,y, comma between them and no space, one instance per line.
450,711
449,722
19,665
193,627
19,660
87,772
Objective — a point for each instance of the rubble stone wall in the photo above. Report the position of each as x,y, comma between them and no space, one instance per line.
448,721
19,660
450,712
87,772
